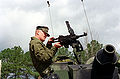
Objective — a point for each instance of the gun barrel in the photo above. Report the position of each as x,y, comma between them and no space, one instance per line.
78,36
107,55
70,30
104,63
109,49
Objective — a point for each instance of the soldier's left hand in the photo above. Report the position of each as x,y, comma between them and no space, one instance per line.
57,45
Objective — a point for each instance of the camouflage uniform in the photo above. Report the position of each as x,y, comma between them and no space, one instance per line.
41,55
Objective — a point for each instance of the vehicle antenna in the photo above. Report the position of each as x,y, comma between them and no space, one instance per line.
50,16
87,19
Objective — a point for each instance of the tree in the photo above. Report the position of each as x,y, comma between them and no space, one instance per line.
91,50
29,68
62,51
11,62
16,63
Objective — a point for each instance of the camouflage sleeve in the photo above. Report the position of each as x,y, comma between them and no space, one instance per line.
42,53
49,45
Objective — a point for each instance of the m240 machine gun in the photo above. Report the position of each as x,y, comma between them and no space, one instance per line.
71,40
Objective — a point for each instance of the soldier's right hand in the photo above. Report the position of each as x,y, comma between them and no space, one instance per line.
57,45
51,40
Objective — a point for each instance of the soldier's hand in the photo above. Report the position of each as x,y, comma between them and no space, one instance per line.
57,45
51,40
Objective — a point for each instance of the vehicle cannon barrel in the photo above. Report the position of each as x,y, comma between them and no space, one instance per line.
103,66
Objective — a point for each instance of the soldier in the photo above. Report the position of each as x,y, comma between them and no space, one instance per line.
42,55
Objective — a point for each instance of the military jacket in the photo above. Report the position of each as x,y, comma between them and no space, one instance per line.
41,55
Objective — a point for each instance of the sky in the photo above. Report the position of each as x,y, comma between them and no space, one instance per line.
19,18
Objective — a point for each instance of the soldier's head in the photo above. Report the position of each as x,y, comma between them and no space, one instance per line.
41,32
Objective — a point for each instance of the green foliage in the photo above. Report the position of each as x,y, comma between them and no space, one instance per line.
118,63
64,51
17,63
83,57
93,47
91,50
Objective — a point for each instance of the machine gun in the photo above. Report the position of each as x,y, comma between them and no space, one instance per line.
71,40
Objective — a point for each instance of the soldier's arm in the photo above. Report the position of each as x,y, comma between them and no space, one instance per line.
49,43
43,53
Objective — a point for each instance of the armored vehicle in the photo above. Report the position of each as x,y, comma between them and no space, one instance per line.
102,66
